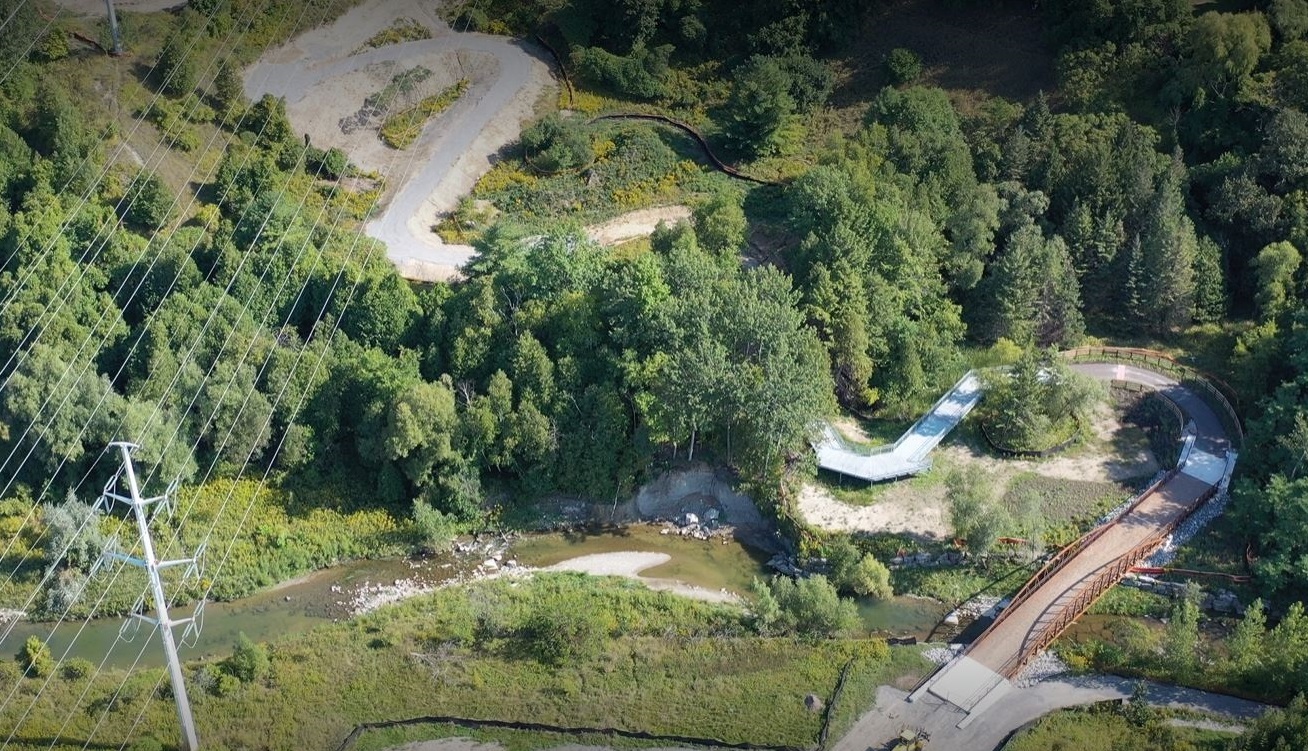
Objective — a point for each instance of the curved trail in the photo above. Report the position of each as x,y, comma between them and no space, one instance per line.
979,686
322,83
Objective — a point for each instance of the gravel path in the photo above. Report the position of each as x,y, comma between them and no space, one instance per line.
324,83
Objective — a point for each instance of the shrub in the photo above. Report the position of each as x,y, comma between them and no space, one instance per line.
903,66
559,636
641,74
149,201
249,661
812,607
402,129
77,667
471,19
401,30
225,685
35,658
436,529
554,145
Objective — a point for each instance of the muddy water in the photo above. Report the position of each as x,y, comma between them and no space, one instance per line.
320,597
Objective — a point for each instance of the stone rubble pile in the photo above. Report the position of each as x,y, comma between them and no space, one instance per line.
1189,528
941,655
1046,665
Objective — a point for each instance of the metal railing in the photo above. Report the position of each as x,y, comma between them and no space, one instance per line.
1217,392
1071,550
1102,582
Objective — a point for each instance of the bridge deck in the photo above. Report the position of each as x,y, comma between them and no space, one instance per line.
982,675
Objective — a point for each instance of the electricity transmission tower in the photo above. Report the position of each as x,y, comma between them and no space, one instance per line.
152,567
113,27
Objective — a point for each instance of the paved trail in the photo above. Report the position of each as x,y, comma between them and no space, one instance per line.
1019,708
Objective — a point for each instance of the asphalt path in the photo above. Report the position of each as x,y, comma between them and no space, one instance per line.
1020,708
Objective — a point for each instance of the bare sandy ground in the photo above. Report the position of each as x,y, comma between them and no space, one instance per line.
324,82
626,564
636,224
630,564
920,508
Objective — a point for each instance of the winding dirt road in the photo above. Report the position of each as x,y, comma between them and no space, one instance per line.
323,81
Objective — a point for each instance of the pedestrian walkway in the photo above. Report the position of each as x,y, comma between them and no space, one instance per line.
910,455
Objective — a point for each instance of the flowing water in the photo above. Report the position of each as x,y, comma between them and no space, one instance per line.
318,598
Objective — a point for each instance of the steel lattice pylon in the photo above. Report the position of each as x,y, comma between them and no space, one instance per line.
153,566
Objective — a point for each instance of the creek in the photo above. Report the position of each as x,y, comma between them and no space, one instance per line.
328,594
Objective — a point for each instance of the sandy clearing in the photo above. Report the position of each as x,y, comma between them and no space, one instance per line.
636,224
323,83
612,564
918,509
920,513
629,564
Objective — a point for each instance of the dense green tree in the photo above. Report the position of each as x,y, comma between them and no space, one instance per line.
856,572
23,27
1248,644
35,658
1210,298
248,661
175,68
1277,515
973,514
760,104
1284,153
903,66
1030,405
1181,647
419,432
1033,294
720,224
1223,49
810,606
148,201
1168,245
228,89
1290,17
1275,268
838,310
381,312
73,537
642,73
1277,730
553,144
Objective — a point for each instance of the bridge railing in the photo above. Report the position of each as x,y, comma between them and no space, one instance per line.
1069,551
1103,581
1212,389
